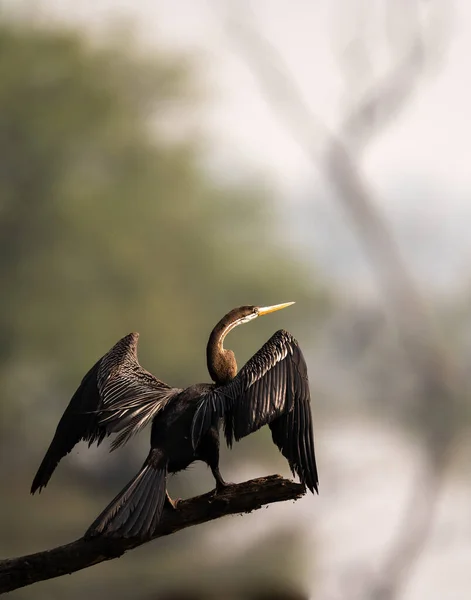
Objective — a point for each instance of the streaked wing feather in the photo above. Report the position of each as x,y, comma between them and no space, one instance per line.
131,396
272,388
116,396
293,434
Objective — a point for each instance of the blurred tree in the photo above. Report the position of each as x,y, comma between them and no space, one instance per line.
107,225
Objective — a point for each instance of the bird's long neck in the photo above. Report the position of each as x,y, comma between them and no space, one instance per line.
222,365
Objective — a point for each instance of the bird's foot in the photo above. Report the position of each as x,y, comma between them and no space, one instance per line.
172,503
221,486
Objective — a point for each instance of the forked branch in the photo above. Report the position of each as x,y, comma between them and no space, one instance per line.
440,383
239,498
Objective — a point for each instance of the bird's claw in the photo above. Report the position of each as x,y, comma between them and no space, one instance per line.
172,503
222,487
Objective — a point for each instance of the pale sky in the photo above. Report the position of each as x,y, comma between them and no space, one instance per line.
428,146
431,137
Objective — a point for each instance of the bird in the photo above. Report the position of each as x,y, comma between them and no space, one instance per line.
118,396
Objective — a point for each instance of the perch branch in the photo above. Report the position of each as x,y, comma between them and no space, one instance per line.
240,498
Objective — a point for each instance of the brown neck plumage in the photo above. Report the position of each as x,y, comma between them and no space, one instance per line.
222,365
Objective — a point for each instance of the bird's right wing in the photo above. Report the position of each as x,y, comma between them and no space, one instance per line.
116,396
271,389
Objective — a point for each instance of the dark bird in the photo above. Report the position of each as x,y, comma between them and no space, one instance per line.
118,396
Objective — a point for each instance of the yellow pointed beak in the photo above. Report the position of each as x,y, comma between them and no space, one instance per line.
269,309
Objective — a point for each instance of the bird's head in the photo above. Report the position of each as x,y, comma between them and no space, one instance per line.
222,365
244,314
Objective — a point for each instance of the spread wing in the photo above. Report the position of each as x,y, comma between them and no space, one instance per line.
272,388
116,396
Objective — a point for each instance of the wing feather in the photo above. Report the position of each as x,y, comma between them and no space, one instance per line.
116,396
271,389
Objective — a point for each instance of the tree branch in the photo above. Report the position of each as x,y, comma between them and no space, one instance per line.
240,498
439,380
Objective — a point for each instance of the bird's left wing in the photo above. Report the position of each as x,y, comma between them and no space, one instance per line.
116,396
130,396
272,388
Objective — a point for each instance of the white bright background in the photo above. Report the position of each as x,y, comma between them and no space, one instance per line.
426,151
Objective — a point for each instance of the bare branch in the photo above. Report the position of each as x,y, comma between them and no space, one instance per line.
386,96
284,96
411,537
240,498
417,36
439,382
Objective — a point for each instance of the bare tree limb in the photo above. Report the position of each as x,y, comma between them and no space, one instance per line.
240,498
439,382
411,536
387,95
321,144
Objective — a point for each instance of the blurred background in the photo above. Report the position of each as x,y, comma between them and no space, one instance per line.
164,162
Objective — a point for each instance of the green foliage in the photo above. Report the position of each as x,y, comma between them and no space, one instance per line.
108,227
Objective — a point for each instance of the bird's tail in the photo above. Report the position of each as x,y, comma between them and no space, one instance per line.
136,510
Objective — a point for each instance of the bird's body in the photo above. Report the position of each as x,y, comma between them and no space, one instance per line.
171,432
118,396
